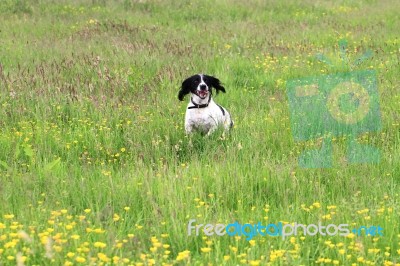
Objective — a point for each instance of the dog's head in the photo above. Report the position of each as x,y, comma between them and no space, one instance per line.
201,86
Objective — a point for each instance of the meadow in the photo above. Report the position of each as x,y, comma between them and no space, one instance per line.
95,167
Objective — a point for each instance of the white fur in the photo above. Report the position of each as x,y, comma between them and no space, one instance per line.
206,119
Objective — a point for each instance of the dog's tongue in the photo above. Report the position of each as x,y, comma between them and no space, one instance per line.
203,93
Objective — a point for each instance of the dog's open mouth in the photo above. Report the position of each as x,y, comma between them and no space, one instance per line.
202,94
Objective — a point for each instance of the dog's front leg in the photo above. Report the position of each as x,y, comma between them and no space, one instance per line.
213,125
188,129
210,131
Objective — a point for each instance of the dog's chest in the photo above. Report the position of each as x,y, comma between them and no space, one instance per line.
202,119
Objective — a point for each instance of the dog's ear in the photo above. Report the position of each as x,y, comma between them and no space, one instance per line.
215,83
185,89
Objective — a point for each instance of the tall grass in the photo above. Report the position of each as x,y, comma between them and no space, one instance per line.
95,166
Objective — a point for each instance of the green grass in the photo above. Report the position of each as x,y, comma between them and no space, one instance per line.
90,124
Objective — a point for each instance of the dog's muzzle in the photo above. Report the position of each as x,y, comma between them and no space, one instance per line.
202,93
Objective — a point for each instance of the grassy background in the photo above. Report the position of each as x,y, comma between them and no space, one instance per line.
95,166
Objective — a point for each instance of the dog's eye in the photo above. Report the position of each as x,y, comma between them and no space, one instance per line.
195,81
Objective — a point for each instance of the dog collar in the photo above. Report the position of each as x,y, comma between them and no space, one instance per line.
199,105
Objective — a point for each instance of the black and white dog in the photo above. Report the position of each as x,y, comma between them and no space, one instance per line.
203,114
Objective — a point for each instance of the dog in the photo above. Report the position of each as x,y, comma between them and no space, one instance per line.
203,114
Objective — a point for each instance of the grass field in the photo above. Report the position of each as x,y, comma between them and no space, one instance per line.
95,167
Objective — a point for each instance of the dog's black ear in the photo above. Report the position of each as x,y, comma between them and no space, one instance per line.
185,89
215,83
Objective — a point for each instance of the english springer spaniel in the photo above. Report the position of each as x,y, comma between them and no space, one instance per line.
203,114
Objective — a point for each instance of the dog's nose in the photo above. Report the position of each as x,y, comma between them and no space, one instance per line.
203,87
